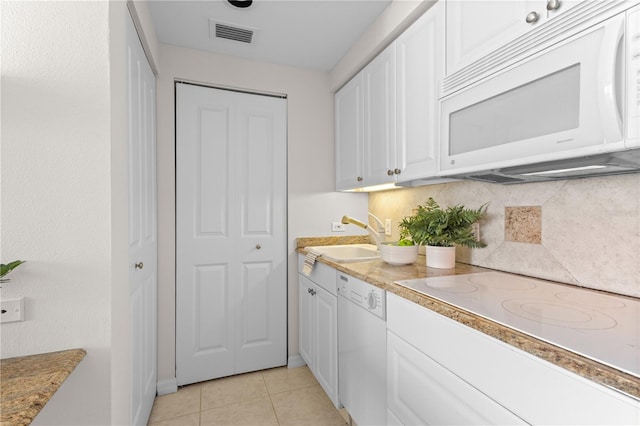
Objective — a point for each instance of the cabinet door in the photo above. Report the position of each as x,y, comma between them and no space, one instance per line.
325,343
533,389
349,124
475,28
421,391
379,118
419,69
305,315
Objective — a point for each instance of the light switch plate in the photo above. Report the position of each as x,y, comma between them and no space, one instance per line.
12,310
387,227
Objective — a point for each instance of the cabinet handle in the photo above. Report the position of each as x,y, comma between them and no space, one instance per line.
390,172
397,171
139,265
553,4
532,17
258,246
359,179
309,290
312,292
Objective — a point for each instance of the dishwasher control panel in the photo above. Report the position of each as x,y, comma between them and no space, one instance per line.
363,294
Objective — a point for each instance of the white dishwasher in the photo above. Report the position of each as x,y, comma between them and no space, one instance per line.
362,350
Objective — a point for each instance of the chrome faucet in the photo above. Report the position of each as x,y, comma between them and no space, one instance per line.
374,234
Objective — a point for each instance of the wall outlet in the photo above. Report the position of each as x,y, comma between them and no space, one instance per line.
337,227
12,310
387,227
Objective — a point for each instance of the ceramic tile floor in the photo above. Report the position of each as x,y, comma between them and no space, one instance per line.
279,396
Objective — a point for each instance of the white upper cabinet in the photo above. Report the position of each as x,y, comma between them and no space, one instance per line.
392,135
350,134
475,28
419,69
379,118
365,125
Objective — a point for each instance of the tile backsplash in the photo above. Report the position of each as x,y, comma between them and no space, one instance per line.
584,232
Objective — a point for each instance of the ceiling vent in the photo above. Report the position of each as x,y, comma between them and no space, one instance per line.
230,32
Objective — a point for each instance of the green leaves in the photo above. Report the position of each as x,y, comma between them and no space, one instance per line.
5,269
434,226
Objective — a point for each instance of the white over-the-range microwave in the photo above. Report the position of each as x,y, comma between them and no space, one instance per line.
561,102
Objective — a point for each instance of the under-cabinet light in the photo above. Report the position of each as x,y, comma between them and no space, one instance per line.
558,171
374,188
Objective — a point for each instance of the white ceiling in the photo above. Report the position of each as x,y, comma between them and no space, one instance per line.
311,34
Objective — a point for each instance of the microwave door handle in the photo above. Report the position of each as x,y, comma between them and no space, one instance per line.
610,77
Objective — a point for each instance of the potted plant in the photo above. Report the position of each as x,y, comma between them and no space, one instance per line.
6,268
440,230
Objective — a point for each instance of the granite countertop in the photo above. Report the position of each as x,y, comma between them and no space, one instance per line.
28,382
383,275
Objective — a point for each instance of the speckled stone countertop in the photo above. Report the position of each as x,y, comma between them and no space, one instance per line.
383,275
28,382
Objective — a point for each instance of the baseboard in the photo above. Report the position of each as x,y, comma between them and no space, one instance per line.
295,361
167,386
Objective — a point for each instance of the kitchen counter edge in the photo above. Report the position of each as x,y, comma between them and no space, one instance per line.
29,382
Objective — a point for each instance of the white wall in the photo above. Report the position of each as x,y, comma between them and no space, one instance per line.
313,204
56,193
396,18
120,263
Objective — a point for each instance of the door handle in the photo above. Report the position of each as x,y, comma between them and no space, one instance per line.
139,265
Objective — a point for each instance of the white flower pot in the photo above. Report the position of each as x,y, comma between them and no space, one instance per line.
398,255
441,257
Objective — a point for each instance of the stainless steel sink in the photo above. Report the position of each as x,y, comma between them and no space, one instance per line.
348,252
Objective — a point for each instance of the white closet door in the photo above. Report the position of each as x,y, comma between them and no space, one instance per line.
230,233
142,228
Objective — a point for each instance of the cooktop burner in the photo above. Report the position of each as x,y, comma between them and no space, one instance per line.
600,326
559,314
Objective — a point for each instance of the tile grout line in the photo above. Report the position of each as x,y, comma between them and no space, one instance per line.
200,407
275,413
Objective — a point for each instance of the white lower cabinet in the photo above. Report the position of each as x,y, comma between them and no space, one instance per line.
441,371
318,328
422,392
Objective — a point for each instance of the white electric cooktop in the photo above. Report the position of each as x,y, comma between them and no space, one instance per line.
600,326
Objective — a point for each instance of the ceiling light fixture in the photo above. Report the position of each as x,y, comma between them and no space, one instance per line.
242,4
